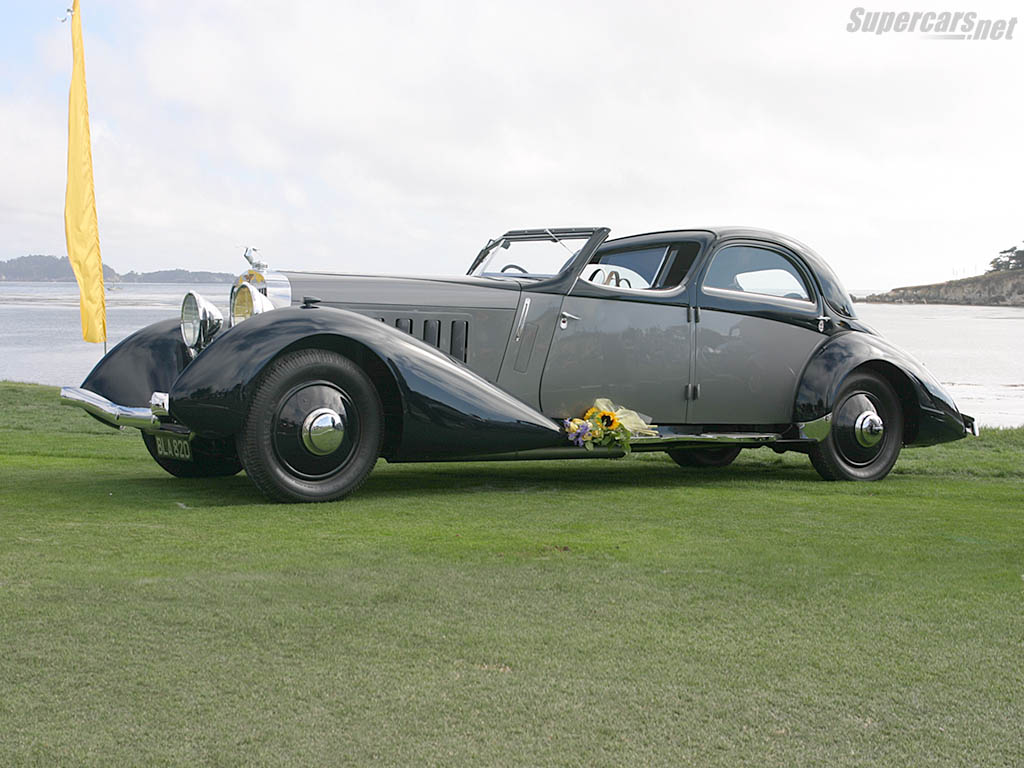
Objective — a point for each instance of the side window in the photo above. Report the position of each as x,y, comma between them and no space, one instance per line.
635,269
661,266
748,269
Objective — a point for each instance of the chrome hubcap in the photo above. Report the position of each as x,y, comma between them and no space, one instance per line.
858,429
869,429
323,431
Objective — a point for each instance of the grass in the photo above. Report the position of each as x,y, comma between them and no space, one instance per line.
563,613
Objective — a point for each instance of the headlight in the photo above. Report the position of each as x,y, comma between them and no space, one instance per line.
200,321
246,301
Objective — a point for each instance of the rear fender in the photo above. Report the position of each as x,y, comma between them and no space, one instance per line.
446,409
930,414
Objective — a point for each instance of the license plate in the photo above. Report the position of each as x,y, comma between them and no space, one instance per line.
175,447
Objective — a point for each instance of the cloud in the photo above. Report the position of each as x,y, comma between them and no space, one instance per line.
399,137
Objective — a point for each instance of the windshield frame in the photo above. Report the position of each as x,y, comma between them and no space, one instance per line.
594,237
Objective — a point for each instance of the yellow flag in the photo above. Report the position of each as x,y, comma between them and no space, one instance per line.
80,226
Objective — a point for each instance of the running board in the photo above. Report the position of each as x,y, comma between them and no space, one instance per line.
680,440
637,445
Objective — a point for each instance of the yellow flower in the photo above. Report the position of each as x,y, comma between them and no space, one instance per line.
608,419
590,413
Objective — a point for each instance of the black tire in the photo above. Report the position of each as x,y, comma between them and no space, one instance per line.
210,458
277,448
843,455
705,457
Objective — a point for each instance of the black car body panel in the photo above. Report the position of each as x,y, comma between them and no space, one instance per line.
934,420
446,409
148,361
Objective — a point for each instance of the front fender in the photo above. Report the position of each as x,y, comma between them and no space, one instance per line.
446,409
936,418
148,361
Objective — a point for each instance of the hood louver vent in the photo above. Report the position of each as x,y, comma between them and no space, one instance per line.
454,337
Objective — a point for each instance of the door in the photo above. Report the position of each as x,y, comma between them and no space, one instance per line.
624,333
756,327
528,344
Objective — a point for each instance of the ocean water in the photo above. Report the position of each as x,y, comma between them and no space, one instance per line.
976,352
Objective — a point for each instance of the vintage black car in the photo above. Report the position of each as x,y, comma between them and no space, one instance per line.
724,338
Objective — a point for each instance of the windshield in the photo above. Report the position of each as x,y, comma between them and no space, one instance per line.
533,258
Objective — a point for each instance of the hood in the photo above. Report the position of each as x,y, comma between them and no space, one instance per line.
350,290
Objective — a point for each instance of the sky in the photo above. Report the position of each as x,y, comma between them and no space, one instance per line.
398,137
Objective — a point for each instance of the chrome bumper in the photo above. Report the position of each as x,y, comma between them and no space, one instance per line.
117,415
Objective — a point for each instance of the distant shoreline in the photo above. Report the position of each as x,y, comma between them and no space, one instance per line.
50,269
994,289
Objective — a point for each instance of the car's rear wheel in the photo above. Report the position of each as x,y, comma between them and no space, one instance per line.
705,457
210,458
867,431
314,427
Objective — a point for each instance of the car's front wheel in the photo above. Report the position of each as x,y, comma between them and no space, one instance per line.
867,431
705,457
314,427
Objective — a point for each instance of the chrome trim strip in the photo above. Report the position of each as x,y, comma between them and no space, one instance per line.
816,430
522,321
728,293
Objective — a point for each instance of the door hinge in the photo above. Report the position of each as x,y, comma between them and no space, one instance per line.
696,314
691,391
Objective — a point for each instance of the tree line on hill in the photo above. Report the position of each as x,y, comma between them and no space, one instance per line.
51,269
1011,258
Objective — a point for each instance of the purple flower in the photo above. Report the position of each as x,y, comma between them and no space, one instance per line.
581,433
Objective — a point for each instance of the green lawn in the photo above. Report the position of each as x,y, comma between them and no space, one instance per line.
566,613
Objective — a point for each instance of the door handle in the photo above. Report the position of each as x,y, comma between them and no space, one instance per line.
563,321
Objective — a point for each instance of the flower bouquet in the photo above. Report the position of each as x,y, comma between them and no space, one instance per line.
598,428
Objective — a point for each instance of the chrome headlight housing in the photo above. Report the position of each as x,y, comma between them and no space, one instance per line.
200,321
246,301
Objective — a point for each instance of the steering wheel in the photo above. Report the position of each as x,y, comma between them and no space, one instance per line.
514,266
